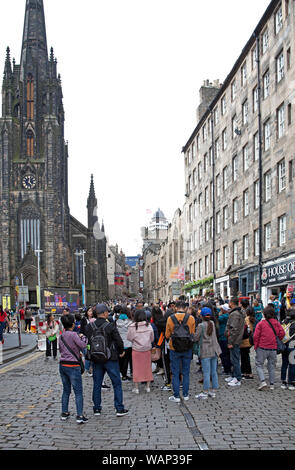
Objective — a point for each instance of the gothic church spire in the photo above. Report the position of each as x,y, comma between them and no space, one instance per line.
34,46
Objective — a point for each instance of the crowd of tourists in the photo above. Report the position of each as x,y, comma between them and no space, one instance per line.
125,340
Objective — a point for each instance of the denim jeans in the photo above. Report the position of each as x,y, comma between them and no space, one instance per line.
87,361
209,367
287,367
2,328
235,357
113,370
180,360
71,377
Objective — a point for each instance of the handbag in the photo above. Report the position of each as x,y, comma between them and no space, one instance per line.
281,347
156,354
52,338
80,360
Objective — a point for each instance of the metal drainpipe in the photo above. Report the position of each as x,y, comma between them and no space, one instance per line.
257,36
213,201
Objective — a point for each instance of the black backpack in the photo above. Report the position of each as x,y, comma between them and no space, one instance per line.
182,339
99,350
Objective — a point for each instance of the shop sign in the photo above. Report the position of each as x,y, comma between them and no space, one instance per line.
279,273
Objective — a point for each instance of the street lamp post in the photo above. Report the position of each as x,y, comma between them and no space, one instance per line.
83,253
38,252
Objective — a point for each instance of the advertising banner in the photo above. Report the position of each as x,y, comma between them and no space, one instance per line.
57,299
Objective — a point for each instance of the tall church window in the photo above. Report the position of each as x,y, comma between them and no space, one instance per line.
30,234
30,97
30,144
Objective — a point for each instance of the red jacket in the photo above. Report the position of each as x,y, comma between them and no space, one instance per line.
264,336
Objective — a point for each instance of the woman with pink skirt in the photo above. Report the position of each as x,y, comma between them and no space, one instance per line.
141,335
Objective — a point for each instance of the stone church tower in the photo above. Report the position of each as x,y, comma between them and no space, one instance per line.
34,205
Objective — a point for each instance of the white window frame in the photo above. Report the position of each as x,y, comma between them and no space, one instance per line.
235,211
246,247
267,236
278,20
282,176
266,135
281,121
245,114
280,66
246,203
282,230
266,84
267,183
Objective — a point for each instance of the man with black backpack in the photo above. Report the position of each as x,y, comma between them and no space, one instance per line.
180,330
106,346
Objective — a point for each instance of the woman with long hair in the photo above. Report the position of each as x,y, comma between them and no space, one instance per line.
209,353
51,333
141,335
89,317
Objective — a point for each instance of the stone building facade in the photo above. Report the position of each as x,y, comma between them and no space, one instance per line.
35,212
239,165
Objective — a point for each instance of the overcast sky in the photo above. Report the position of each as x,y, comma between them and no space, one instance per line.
131,73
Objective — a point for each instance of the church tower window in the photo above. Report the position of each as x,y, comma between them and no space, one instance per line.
30,144
30,98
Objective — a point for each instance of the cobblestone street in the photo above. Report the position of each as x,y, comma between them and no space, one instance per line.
240,418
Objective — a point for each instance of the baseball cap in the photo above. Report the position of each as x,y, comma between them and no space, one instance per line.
101,308
225,307
206,311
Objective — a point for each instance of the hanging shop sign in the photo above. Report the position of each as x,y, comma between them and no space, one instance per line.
279,273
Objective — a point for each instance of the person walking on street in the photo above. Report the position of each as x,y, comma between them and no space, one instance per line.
108,334
3,321
257,307
28,319
246,345
70,347
234,332
265,345
123,323
225,355
51,333
141,335
181,349
210,350
288,365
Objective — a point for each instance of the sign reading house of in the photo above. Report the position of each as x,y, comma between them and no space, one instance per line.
280,273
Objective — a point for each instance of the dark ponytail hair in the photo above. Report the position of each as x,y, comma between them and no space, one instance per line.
210,324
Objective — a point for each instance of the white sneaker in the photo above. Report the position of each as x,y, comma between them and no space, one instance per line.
262,386
212,394
160,372
272,387
202,396
234,383
148,390
284,387
135,390
173,398
291,387
186,398
229,379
